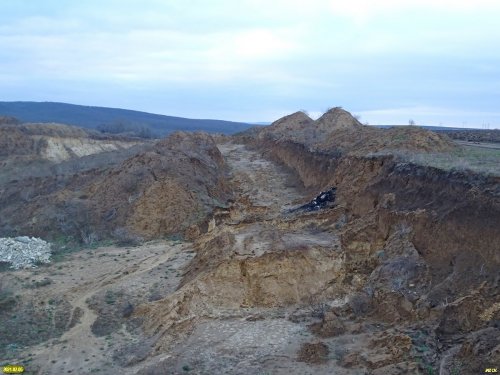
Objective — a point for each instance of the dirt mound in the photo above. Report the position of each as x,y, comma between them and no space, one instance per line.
297,126
335,119
166,190
338,130
154,193
365,140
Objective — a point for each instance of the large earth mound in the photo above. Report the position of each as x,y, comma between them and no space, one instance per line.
159,190
337,130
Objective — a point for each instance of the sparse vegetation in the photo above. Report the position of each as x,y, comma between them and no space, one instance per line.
476,159
360,304
62,246
128,129
40,284
123,237
7,299
110,297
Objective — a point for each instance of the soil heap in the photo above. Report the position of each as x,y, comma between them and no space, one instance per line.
161,189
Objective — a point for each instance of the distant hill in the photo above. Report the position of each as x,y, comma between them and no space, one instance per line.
113,120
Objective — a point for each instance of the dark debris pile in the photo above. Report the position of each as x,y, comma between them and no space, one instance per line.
324,199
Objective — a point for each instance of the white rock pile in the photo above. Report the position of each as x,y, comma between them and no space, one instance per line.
24,252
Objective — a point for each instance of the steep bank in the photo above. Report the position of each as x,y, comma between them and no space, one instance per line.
55,142
421,244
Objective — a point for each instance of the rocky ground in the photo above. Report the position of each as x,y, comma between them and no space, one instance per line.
397,273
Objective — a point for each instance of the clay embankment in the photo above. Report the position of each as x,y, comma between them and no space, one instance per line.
422,243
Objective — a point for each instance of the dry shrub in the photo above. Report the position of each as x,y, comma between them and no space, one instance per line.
313,353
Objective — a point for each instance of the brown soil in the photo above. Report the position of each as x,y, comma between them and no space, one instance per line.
88,299
338,132
160,190
313,353
400,276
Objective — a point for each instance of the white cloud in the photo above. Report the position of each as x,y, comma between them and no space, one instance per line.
291,53
436,116
260,44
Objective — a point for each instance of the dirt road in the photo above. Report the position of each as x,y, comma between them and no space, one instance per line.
130,274
264,182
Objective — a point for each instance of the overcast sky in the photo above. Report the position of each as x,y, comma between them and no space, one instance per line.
434,61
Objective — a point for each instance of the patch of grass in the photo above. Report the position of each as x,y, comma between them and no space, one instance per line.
7,300
39,284
63,246
477,159
102,243
110,297
176,238
4,266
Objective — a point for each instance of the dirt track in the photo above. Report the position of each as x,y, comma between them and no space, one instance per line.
89,274
266,184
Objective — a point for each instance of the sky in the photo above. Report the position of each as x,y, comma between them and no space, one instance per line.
436,62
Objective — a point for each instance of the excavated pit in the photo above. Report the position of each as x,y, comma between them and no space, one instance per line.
392,268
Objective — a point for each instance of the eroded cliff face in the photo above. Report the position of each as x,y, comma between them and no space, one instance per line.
55,142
